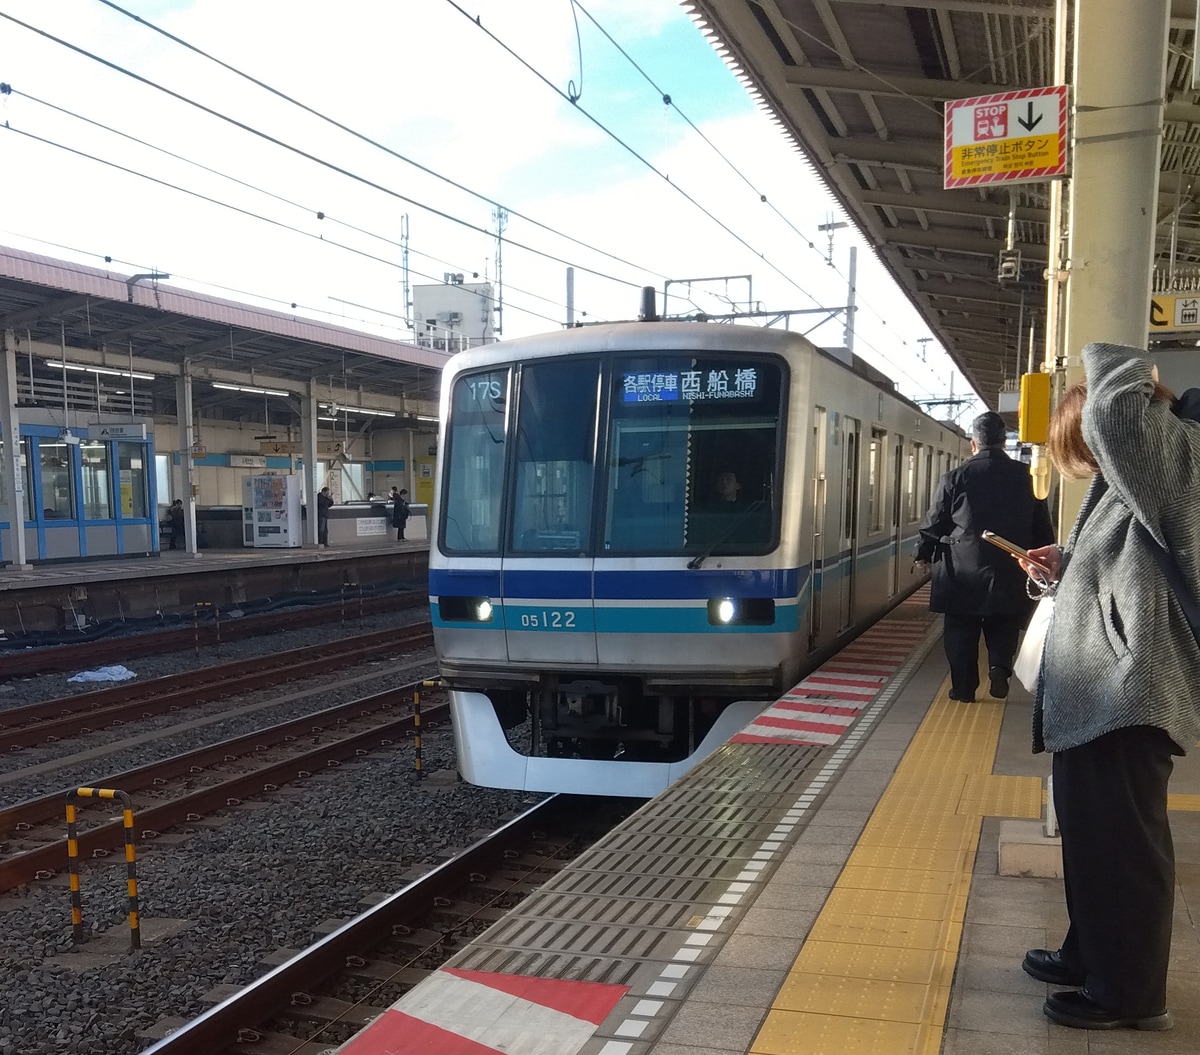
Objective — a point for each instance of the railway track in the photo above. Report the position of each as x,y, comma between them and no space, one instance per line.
201,632
346,731
317,998
55,719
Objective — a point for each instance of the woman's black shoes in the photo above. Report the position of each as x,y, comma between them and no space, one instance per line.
1080,1011
1047,966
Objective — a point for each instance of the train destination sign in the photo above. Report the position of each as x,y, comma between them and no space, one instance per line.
689,386
1009,137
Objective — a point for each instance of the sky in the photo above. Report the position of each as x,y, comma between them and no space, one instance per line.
379,126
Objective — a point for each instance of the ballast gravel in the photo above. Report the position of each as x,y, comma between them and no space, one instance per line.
217,898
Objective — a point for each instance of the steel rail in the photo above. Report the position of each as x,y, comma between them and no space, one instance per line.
97,709
23,868
49,807
69,657
217,1029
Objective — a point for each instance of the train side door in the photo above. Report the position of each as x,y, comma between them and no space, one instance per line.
848,548
820,485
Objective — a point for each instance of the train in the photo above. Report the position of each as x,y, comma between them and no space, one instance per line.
645,532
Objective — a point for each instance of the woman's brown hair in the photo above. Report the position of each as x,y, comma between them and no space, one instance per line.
1064,441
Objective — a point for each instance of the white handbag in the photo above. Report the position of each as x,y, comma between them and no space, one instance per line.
1028,664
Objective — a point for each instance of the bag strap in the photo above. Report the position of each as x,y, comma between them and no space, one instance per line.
1170,569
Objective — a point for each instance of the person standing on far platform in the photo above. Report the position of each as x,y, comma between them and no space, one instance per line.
1117,697
324,503
400,511
978,586
175,520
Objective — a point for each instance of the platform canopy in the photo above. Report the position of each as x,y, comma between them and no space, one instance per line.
109,321
860,86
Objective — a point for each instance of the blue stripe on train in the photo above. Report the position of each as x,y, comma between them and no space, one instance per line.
572,619
672,584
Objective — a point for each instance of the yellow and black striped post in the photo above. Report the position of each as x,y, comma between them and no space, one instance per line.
135,934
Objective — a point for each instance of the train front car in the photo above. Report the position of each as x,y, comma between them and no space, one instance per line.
610,596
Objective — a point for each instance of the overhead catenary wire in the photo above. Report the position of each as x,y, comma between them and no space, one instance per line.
669,100
332,166
377,186
308,210
234,208
649,164
368,139
671,183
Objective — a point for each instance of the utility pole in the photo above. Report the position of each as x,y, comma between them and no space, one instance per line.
500,218
404,268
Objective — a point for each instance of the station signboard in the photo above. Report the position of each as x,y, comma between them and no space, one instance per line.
1008,137
327,448
283,447
116,430
1173,313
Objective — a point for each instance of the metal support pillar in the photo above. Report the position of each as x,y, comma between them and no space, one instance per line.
12,474
1113,194
187,458
308,440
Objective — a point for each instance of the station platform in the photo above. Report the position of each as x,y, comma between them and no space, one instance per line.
826,883
53,596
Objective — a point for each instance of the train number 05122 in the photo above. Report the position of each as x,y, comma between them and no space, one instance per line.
548,619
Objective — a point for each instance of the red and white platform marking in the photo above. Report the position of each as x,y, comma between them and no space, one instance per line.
457,1012
823,706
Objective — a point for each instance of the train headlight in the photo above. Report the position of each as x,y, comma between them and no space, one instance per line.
466,609
741,611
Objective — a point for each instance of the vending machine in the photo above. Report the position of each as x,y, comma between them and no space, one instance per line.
271,511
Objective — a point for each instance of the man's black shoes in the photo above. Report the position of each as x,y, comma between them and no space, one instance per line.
1079,1011
998,688
1047,966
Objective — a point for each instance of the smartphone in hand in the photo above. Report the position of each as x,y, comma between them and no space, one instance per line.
1014,550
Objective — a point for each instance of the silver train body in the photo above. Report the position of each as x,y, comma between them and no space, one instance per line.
608,606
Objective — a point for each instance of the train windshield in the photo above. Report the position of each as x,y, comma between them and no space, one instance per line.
555,453
476,449
692,455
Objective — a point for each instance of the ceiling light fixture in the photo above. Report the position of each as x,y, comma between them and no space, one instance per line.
248,388
339,409
58,364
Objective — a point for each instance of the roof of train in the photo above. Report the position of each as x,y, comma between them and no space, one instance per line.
668,336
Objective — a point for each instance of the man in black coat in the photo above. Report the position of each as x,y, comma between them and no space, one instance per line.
977,585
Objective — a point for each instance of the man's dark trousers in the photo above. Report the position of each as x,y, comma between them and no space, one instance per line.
1000,633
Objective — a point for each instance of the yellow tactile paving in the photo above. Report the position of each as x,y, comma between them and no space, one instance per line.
874,976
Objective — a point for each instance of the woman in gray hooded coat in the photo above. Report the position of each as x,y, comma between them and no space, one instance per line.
1117,697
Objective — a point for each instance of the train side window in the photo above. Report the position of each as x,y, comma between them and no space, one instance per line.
912,485
556,442
875,479
475,441
850,483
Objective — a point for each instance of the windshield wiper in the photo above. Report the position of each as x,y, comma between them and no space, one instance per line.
700,558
